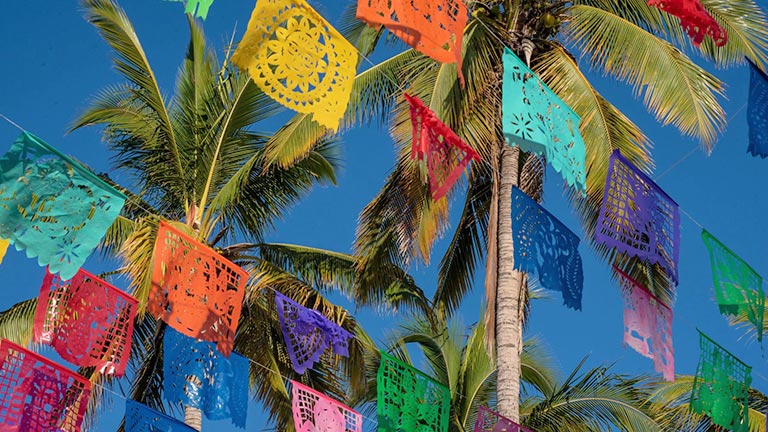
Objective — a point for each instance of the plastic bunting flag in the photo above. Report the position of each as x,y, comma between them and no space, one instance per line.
409,400
435,28
88,321
198,375
647,325
194,289
536,119
491,421
3,248
39,395
316,412
447,155
308,333
738,288
141,418
721,386
298,59
638,218
547,249
757,111
52,207
694,19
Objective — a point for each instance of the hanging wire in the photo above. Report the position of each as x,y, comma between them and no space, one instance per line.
696,147
285,378
398,88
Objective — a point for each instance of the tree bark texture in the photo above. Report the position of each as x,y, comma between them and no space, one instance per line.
509,294
193,417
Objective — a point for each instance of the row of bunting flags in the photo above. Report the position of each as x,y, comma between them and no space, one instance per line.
57,211
199,293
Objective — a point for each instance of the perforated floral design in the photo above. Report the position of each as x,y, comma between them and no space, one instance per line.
88,321
546,249
141,418
446,154
316,412
647,325
308,333
694,19
37,394
721,387
51,207
757,112
536,119
194,289
196,374
491,421
298,59
435,28
638,218
3,249
408,400
738,287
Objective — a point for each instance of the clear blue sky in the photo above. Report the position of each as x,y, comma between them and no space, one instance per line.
53,61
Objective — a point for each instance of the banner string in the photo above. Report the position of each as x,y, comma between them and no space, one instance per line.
267,368
696,147
398,88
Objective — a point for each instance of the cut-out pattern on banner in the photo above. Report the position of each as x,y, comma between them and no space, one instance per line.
316,412
738,288
435,28
721,386
537,120
194,289
647,325
198,375
298,59
409,400
308,333
52,207
39,395
757,112
3,248
694,19
546,248
141,418
638,218
447,155
491,421
88,321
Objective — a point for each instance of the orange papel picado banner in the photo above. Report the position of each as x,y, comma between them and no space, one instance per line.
298,59
433,27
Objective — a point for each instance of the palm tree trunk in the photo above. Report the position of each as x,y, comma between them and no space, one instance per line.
509,295
193,417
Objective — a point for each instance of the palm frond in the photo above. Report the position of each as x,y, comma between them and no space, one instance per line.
131,61
743,322
673,88
468,245
673,399
594,400
743,20
16,322
604,128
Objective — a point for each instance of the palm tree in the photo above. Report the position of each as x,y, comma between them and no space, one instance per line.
197,158
630,41
595,399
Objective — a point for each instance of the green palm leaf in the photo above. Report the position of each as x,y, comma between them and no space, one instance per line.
673,87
